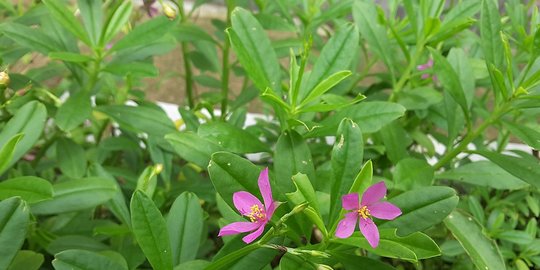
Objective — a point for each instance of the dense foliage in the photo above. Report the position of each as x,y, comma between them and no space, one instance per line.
423,101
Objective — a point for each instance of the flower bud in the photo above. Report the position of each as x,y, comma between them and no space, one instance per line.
4,79
169,11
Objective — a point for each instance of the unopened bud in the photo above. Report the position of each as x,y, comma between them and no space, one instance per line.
4,79
169,11
158,168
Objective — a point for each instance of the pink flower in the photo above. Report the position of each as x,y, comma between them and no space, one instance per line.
370,206
428,65
249,206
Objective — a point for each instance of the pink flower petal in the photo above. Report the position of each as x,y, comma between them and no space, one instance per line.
384,210
264,187
370,231
425,76
374,194
238,227
270,211
346,226
350,201
243,201
252,236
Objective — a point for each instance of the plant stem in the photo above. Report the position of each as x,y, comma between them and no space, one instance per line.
225,65
448,156
187,65
406,74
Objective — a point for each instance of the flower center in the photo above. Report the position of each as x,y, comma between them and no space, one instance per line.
257,214
364,212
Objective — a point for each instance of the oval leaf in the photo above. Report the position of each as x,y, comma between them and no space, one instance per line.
484,173
14,219
483,251
150,231
192,147
185,225
75,195
29,120
30,188
232,138
254,50
422,208
71,158
86,260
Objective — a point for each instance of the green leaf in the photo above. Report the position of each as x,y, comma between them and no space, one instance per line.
305,193
71,158
145,33
119,17
365,15
14,221
92,16
483,251
292,262
237,255
117,204
65,17
363,180
490,27
29,120
525,169
254,50
230,173
516,237
6,152
232,138
146,119
74,111
70,57
30,188
139,69
26,260
66,242
86,260
192,147
292,156
420,98
524,133
450,80
147,181
150,231
189,32
335,56
193,265
412,247
27,37
185,226
411,173
325,85
76,195
483,173
396,141
347,155
421,208
461,64
370,116
352,261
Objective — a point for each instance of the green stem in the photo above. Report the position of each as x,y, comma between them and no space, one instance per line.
448,156
407,73
225,66
232,257
185,58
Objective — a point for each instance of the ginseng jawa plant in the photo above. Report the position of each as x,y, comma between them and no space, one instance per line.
313,134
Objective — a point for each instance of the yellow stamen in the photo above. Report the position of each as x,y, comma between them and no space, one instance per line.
364,212
256,214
